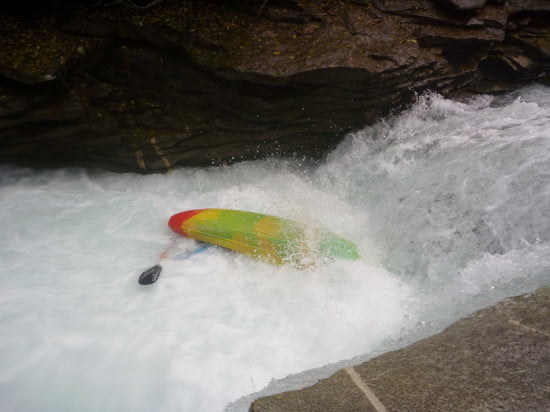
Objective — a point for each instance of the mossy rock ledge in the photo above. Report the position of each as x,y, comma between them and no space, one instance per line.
195,83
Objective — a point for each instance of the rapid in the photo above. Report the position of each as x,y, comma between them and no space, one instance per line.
447,202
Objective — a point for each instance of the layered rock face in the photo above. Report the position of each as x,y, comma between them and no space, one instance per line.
194,83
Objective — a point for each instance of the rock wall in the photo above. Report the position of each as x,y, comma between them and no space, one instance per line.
194,83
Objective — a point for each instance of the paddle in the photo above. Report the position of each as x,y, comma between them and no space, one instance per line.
152,274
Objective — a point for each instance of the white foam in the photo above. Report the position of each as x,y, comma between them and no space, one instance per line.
448,203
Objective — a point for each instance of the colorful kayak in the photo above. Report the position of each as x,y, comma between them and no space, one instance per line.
269,238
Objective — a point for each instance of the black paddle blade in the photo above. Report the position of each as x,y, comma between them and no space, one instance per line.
150,275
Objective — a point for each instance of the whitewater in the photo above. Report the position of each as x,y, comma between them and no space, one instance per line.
447,202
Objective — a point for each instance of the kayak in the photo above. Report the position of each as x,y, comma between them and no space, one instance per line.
268,238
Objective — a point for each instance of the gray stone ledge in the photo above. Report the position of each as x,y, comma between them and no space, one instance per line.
497,358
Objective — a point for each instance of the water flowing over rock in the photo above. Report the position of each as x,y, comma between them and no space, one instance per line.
194,83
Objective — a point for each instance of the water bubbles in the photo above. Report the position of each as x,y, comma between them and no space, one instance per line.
448,204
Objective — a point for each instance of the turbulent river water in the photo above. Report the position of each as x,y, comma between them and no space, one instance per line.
448,203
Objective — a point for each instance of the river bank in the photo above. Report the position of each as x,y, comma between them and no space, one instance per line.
497,358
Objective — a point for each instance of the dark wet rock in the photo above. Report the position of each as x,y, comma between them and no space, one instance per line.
496,359
197,83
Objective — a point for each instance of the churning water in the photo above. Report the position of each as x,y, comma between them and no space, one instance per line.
449,204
